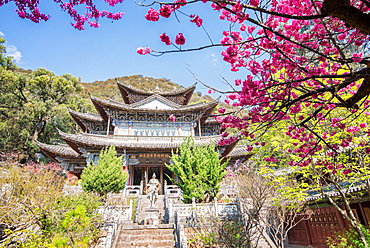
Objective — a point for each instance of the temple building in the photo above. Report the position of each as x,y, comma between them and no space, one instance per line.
145,128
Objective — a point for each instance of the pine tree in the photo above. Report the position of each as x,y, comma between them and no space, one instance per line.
200,170
105,176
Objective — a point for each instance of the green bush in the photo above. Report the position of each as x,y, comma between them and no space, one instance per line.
105,176
200,170
349,239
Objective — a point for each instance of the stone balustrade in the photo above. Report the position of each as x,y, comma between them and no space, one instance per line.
185,214
132,191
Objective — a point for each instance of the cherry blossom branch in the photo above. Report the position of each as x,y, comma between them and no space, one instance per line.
265,11
160,53
320,138
286,38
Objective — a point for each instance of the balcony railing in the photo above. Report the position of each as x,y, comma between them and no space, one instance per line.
139,138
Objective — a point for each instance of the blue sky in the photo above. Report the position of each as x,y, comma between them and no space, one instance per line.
110,50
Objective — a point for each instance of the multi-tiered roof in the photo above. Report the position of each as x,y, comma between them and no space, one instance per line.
141,123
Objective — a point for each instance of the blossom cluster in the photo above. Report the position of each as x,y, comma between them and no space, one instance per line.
166,10
27,9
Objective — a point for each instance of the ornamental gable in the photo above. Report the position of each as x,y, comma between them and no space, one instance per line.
155,104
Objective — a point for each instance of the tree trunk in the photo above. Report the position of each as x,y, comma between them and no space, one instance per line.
40,127
352,16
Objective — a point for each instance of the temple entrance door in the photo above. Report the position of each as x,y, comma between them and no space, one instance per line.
145,173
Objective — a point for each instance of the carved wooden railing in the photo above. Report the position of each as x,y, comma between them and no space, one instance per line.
150,138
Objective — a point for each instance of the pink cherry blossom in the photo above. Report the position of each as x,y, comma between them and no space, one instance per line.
166,10
143,51
180,3
152,15
224,135
94,24
357,57
254,2
251,29
29,10
221,110
346,171
180,39
165,38
197,20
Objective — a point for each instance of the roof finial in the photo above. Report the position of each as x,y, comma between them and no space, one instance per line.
157,90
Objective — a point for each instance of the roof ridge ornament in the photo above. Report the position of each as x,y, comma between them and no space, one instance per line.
157,90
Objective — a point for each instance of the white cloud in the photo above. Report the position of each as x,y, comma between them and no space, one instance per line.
13,52
2,34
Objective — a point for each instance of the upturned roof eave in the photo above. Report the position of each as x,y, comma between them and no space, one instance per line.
54,151
101,104
169,93
99,107
240,152
85,116
127,89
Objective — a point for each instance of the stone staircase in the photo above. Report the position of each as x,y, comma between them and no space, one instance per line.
141,235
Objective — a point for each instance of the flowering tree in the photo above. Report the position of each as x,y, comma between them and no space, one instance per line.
307,65
306,62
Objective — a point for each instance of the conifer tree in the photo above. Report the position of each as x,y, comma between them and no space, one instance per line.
105,176
199,169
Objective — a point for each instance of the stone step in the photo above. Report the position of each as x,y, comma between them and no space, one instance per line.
145,237
150,235
143,240
166,244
